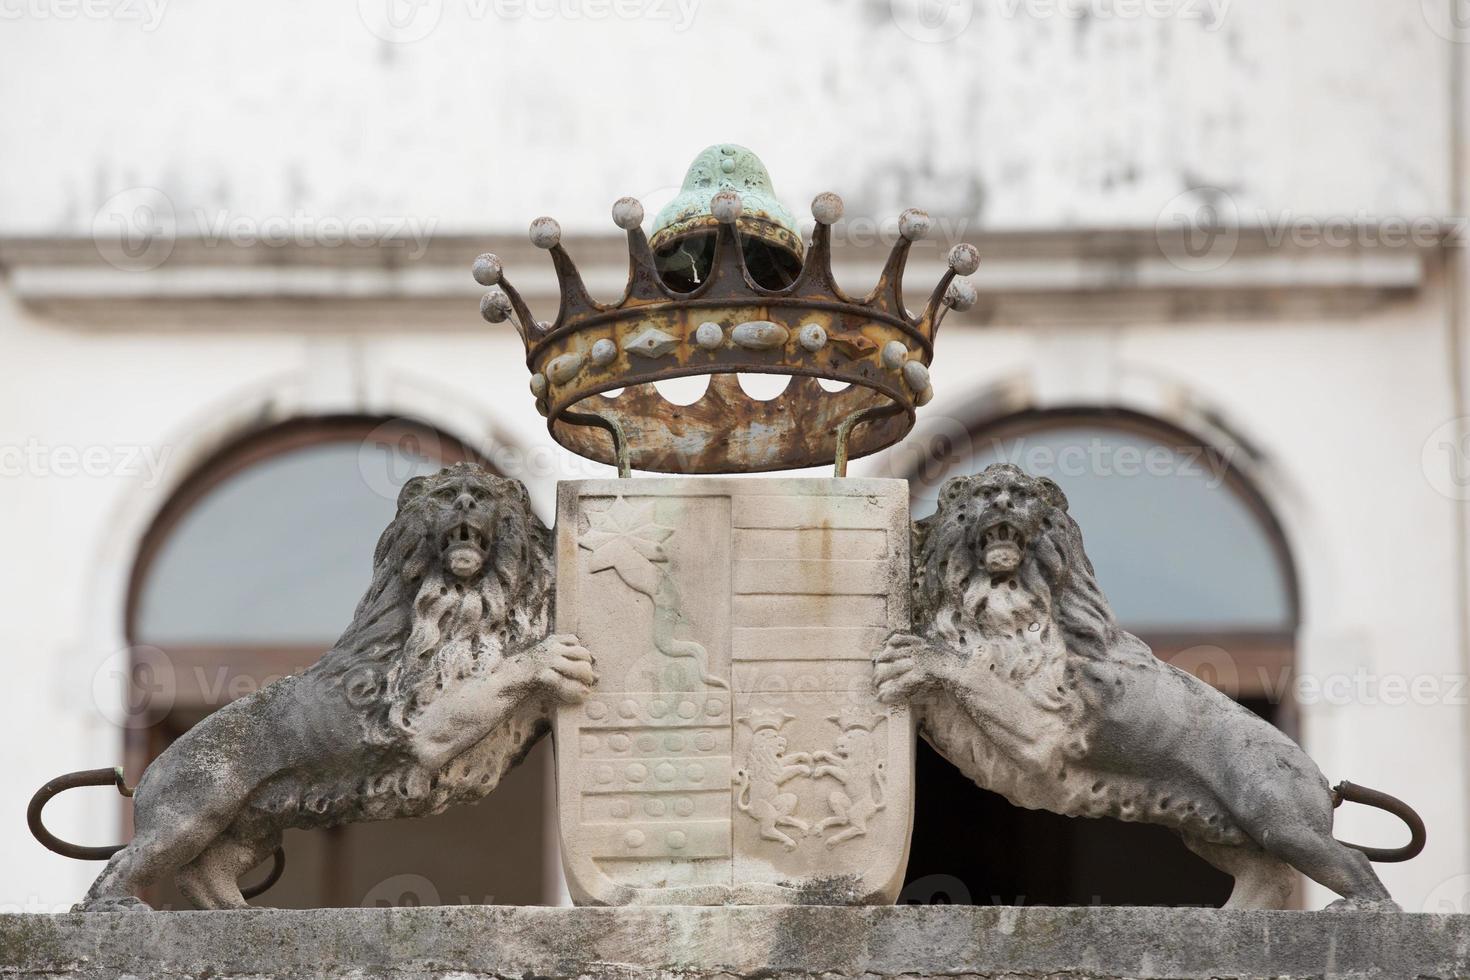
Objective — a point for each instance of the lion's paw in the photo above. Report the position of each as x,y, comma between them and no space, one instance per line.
1364,905
565,668
905,667
126,903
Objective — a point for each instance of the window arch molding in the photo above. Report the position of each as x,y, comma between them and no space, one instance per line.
939,462
265,443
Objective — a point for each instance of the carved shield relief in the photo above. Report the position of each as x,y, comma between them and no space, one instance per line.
733,751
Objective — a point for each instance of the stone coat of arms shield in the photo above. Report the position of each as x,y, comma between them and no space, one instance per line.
733,751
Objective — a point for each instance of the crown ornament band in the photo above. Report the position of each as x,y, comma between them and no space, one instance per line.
728,324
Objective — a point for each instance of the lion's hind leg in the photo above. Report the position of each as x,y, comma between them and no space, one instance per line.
174,824
212,880
1261,881
1292,821
840,804
785,808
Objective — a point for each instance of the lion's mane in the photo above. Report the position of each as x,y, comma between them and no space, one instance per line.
947,589
416,629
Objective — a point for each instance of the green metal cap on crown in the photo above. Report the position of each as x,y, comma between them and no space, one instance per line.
597,365
722,167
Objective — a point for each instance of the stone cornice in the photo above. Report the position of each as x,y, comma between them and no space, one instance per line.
1025,277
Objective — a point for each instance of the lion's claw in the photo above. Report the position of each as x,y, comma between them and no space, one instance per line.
565,667
905,666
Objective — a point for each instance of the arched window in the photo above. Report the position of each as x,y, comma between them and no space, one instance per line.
1195,564
250,572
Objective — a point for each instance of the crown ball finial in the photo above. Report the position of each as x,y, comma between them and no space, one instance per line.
827,208
964,259
487,269
726,207
627,213
960,295
545,232
495,306
913,224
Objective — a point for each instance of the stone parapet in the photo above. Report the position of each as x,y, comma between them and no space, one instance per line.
739,941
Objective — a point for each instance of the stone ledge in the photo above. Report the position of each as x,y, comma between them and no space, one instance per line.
767,942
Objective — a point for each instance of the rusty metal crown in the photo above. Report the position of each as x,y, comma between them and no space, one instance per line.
729,324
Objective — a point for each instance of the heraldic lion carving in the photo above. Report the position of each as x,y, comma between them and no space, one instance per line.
1021,677
442,683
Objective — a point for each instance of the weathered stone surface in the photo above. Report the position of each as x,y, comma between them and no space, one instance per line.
734,749
1021,676
752,941
440,685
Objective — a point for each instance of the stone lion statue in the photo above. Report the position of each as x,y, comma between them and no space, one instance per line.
442,683
1020,676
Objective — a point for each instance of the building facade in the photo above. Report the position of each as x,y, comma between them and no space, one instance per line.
1223,286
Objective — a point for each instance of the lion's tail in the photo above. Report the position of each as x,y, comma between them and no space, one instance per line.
1346,791
110,777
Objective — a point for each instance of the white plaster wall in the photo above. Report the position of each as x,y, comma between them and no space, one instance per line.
1036,118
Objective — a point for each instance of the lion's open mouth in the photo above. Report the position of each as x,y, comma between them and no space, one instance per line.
1001,547
465,548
